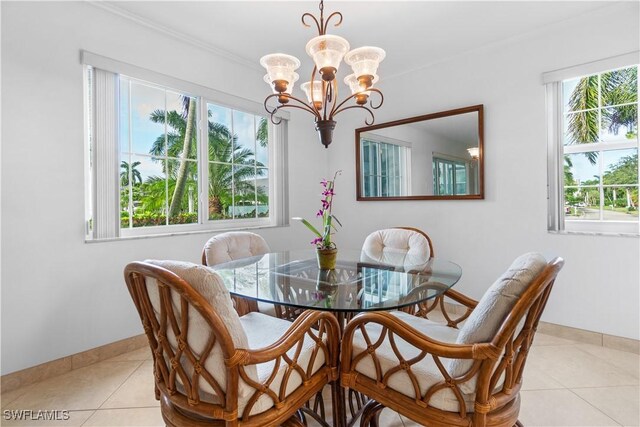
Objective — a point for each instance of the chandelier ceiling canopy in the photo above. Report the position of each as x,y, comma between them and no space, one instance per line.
327,52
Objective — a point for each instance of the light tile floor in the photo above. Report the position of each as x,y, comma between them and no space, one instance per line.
565,384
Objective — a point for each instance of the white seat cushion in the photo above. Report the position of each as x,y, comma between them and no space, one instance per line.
426,371
494,306
229,246
262,331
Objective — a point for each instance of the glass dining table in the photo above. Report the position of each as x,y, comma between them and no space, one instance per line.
292,282
360,282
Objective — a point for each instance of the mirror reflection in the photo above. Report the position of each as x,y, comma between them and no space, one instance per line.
437,156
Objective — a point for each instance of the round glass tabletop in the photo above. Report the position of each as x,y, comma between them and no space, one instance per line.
360,282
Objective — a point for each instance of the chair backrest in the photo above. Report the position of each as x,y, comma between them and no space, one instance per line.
192,328
517,300
496,303
233,245
391,243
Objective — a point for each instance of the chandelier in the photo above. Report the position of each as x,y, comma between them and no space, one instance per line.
327,52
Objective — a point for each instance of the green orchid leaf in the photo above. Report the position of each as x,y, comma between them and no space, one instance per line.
337,220
309,226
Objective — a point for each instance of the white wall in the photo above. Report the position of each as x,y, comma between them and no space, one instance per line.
598,287
60,295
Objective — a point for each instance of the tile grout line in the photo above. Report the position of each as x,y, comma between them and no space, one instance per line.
15,398
608,360
602,359
141,362
593,406
93,411
606,348
606,386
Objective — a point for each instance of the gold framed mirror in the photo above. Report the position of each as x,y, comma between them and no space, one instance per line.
438,156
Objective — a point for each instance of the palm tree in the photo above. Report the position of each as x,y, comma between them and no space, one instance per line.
230,166
124,174
614,88
183,130
262,135
231,169
181,181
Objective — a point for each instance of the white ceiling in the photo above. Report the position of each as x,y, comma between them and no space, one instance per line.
414,33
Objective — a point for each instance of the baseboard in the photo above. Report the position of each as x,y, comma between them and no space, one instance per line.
573,334
63,365
589,337
60,366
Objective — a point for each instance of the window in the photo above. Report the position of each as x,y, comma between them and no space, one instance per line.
450,177
158,142
595,152
385,169
184,162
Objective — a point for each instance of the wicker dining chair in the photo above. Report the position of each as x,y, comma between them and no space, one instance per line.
440,376
214,368
398,241
404,247
234,245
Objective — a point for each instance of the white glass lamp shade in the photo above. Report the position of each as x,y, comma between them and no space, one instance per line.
317,93
327,52
280,68
365,60
474,152
290,86
356,86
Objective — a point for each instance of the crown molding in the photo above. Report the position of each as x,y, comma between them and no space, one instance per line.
193,41
527,35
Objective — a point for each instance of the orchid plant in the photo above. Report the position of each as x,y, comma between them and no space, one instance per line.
323,239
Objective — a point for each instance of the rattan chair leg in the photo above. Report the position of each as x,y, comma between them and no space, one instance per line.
371,414
318,405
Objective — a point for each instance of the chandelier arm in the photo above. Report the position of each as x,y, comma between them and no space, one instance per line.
328,97
337,106
379,92
335,98
315,20
368,123
337,24
344,101
303,105
266,107
311,88
271,118
272,114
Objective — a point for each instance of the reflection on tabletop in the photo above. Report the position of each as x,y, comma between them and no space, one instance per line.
361,281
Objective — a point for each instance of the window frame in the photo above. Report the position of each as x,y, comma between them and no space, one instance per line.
556,150
277,151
